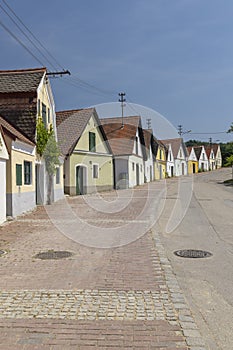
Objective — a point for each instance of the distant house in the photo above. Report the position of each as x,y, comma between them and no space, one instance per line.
192,161
128,147
203,162
170,164
88,165
26,95
180,156
20,176
160,160
3,159
211,157
149,161
218,155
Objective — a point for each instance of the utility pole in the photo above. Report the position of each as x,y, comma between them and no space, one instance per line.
148,123
122,100
210,141
53,74
180,130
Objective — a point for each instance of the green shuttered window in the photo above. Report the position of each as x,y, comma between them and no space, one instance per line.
18,174
92,142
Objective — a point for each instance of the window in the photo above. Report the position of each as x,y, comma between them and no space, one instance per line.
133,166
48,115
95,171
18,174
44,114
27,173
38,106
57,175
136,140
92,142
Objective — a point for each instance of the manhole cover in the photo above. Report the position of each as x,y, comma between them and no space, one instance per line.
51,254
192,253
2,252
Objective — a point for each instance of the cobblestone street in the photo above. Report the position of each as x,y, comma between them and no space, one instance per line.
117,298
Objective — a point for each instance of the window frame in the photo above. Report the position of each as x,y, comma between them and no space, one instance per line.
95,171
19,174
92,141
27,165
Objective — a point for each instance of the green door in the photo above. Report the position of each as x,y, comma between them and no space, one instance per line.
79,180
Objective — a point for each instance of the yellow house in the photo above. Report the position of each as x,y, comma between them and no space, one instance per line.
160,160
88,165
192,161
25,95
20,176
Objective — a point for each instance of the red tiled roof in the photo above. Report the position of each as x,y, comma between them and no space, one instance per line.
175,145
121,139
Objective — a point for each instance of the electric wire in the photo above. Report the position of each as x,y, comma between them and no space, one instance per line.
21,43
28,38
33,36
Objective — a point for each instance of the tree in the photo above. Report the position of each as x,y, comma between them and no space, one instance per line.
229,161
51,156
231,128
46,147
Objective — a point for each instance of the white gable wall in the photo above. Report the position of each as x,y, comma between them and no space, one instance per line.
148,167
3,158
170,162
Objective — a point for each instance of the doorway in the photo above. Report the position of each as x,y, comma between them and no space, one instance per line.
194,168
137,175
80,180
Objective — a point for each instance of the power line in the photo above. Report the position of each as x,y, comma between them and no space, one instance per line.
34,37
21,43
28,38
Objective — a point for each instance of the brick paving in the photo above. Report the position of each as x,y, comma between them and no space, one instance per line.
125,297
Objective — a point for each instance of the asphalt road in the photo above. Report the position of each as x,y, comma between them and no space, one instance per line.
207,225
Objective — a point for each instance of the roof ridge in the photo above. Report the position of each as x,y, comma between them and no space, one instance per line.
29,70
75,110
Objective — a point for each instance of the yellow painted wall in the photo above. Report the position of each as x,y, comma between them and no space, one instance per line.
190,166
83,143
160,161
43,96
105,169
17,157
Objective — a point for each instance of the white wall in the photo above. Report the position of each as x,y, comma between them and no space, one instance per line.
2,190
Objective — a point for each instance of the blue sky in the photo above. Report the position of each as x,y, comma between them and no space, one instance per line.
172,56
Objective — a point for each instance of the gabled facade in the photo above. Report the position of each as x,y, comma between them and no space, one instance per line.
203,162
149,161
170,164
218,155
160,160
26,95
128,147
211,157
88,165
3,159
20,174
180,156
192,161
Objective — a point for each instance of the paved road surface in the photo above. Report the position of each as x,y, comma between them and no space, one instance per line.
207,283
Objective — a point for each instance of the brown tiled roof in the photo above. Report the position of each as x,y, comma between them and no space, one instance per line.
208,151
70,126
175,145
197,150
18,98
121,139
215,148
24,80
13,133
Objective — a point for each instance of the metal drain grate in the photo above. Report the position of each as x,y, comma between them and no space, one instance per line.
51,254
193,253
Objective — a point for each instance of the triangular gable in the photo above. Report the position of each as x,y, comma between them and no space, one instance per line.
3,149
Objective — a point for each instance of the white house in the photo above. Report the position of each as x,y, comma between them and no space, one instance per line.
203,161
3,158
149,161
170,161
127,143
180,156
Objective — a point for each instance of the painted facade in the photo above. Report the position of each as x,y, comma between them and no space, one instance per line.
88,165
170,164
203,162
160,162
180,156
3,159
218,155
192,161
149,161
128,147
